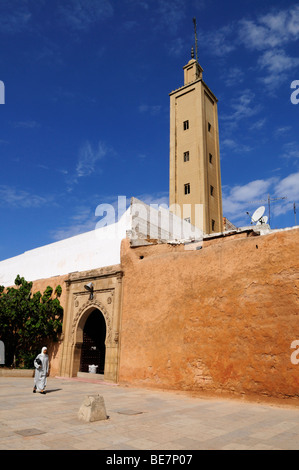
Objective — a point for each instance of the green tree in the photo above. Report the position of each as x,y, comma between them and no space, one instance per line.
27,321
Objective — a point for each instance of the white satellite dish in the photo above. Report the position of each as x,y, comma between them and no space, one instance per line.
262,220
258,214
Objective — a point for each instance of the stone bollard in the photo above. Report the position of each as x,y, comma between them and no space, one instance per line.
92,409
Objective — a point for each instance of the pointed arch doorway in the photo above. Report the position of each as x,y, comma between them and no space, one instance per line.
93,351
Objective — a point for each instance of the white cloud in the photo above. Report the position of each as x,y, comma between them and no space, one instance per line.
282,130
257,36
176,47
158,198
169,14
139,3
289,186
243,106
291,150
86,217
29,124
149,109
269,35
87,162
221,41
80,15
258,124
83,220
238,200
14,17
270,30
234,76
12,197
276,61
234,146
249,192
88,158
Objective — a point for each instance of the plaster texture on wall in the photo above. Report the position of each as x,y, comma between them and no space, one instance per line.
219,320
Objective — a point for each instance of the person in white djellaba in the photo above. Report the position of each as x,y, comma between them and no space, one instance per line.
41,364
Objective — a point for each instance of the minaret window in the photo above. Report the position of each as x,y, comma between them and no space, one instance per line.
213,225
210,158
212,190
186,125
187,188
209,126
186,156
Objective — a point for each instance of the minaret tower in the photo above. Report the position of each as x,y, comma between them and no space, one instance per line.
195,181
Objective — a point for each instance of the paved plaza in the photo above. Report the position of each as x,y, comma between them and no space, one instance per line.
138,419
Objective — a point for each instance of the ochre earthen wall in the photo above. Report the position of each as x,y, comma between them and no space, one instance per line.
218,320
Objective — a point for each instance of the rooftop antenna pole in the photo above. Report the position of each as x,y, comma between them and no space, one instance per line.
272,199
196,46
269,200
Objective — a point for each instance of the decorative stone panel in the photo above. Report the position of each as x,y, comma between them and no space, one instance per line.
107,288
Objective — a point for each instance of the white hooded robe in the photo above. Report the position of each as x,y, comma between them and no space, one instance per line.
40,377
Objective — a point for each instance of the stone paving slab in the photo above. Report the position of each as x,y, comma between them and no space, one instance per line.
139,419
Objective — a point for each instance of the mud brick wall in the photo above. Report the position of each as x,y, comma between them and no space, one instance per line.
220,319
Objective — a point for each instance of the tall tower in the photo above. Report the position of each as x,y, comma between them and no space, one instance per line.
194,173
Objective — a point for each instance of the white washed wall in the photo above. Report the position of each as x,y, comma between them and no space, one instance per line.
90,250
98,248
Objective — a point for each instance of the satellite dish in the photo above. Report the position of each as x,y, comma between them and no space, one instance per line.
258,214
262,220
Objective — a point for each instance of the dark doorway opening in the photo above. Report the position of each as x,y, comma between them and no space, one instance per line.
93,347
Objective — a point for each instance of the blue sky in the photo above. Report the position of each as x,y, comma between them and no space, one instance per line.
86,113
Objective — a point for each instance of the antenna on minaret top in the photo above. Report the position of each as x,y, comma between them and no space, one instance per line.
196,46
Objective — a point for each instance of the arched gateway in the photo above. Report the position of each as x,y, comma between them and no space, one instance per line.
92,323
93,347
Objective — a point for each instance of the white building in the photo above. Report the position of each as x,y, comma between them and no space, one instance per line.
100,247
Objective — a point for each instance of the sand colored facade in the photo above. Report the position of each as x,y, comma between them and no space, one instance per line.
194,167
220,320
218,316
